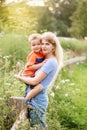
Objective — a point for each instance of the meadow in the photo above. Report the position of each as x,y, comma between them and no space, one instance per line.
67,108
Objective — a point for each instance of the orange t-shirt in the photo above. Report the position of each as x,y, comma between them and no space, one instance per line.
32,58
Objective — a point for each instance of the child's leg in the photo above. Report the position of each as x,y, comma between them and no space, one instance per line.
27,89
33,92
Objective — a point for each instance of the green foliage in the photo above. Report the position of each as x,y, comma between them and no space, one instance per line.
79,20
78,46
3,17
70,96
1,2
45,20
5,115
56,16
67,107
62,10
22,19
15,47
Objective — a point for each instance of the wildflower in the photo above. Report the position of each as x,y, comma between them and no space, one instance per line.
7,57
66,95
72,84
18,64
52,94
8,84
64,81
57,87
67,80
77,63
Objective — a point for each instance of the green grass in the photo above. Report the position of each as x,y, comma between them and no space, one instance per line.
78,46
15,47
69,104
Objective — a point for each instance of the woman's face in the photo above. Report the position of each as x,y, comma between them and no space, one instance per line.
47,47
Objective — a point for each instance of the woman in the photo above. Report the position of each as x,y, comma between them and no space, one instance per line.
52,50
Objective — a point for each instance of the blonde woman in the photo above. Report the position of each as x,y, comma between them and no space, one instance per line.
53,52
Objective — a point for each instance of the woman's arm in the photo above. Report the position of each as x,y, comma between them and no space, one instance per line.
32,80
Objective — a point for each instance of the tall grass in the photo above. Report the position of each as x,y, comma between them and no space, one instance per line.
14,46
69,103
78,46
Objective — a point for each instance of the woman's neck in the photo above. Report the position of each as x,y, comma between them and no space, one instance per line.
49,56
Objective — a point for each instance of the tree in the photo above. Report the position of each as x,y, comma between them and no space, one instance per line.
79,21
45,20
62,10
3,14
1,2
20,18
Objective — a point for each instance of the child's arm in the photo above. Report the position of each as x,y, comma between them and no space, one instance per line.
37,89
37,66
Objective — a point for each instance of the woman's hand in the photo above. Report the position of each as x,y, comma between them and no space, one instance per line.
31,80
19,75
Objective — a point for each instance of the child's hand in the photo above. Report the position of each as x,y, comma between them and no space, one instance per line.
45,61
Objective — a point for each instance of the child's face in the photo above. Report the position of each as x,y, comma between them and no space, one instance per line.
36,45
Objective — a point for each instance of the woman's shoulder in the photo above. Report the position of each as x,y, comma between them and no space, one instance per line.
52,60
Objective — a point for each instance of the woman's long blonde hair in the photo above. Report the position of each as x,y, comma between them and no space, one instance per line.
58,52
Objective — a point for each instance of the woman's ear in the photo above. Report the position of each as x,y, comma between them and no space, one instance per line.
53,48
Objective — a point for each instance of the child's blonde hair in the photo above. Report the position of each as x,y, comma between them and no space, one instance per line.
34,37
58,52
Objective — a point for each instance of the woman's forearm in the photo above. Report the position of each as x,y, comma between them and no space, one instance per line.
32,80
27,80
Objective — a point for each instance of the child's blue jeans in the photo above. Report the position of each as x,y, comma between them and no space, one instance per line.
36,117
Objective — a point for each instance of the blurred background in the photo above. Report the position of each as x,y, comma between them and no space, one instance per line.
67,108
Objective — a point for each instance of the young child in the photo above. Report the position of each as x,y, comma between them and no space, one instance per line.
34,61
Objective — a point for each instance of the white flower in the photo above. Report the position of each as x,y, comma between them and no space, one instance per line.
57,87
72,84
67,80
52,94
7,57
66,95
64,81
8,84
18,64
